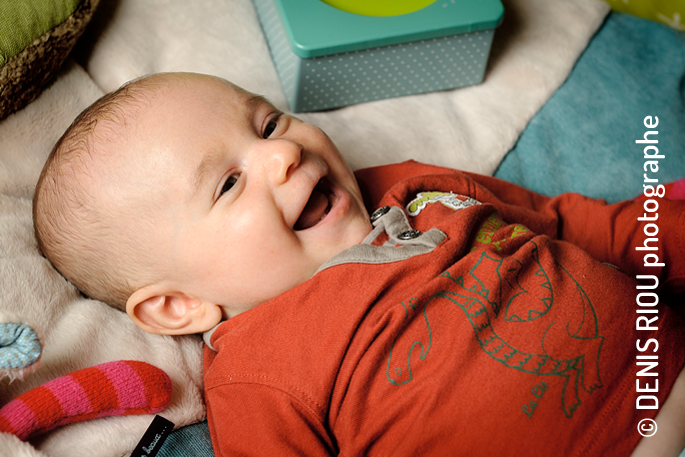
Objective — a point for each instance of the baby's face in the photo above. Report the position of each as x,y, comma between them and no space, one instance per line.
247,202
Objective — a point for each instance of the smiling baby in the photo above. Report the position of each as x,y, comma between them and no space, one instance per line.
465,316
170,198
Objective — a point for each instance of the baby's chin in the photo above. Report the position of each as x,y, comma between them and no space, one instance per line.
358,231
359,228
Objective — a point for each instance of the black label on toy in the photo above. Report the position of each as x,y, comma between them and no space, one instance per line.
154,437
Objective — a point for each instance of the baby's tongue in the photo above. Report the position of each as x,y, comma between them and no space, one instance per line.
313,212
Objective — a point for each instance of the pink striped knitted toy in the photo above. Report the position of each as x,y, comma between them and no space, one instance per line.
113,388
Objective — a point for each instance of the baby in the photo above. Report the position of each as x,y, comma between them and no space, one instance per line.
451,321
172,205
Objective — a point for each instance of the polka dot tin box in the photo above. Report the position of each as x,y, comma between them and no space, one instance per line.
332,53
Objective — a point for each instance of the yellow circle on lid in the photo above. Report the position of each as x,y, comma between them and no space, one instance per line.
379,7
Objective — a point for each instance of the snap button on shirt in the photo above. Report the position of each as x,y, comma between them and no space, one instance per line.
380,212
409,234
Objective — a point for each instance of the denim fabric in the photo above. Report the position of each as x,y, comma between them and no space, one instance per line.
189,441
583,138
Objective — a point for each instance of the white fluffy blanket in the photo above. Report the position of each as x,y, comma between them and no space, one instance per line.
469,128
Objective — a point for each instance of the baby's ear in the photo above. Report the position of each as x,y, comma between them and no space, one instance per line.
156,310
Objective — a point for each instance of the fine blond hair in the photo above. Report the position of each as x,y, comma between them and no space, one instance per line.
79,236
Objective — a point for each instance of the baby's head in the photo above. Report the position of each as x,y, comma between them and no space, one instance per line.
185,199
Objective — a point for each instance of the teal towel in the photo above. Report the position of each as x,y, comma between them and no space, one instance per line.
583,138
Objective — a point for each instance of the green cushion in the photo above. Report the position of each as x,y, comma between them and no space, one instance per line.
21,22
36,36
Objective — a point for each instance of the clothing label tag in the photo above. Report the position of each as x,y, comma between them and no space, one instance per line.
154,437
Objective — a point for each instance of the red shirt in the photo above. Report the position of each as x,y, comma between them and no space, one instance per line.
461,326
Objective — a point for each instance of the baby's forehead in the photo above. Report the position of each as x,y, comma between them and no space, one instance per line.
134,120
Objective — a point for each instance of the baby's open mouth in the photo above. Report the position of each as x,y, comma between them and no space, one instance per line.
317,207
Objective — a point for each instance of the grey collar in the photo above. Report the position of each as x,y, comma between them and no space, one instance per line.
404,241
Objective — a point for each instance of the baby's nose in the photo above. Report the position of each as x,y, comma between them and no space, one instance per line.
284,156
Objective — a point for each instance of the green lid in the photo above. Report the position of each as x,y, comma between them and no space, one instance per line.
316,29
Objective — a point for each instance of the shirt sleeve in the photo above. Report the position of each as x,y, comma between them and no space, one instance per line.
252,419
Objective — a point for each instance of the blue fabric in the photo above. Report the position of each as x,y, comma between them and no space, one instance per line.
583,138
190,441
19,346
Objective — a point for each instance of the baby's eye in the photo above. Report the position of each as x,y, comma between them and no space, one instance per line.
270,127
230,182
